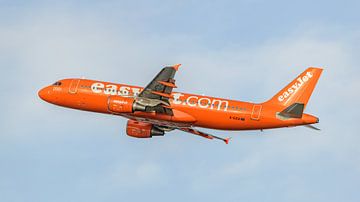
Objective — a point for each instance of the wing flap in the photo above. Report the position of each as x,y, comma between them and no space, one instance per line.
161,94
160,88
205,135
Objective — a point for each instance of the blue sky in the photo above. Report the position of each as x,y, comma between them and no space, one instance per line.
244,50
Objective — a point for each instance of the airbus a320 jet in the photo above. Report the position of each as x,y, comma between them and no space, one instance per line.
156,109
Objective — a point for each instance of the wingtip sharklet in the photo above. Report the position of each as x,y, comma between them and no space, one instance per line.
227,140
176,67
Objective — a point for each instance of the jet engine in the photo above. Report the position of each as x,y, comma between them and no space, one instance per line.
142,130
119,104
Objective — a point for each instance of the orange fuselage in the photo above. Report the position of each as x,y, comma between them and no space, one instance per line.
189,109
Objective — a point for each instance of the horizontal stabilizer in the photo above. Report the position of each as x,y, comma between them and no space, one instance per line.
293,111
312,127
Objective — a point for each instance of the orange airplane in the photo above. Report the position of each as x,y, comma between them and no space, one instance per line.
156,109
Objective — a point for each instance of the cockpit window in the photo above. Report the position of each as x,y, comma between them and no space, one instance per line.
58,83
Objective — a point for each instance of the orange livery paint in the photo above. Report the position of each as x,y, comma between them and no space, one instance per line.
155,109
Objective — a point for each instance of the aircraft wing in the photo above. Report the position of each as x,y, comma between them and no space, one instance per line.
203,134
158,92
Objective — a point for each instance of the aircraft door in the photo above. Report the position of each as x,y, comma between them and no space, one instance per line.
74,86
256,112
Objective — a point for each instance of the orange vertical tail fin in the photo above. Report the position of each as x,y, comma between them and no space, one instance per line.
299,90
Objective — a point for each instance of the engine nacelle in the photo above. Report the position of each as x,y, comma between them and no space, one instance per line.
142,130
119,104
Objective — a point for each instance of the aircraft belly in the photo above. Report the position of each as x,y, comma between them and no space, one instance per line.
157,121
220,120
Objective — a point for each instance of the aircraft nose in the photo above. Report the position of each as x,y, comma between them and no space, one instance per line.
45,93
